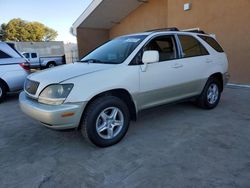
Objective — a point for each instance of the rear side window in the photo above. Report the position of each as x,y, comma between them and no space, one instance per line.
33,55
3,55
191,47
212,42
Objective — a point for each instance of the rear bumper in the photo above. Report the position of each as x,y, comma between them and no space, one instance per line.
63,116
15,79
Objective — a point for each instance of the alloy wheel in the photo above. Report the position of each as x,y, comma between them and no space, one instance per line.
109,123
212,93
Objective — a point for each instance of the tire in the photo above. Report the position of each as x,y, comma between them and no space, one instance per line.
3,91
98,116
210,95
50,65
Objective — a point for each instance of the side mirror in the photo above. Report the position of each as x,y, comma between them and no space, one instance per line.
150,56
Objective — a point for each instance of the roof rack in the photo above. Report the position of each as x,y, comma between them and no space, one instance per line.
164,29
194,30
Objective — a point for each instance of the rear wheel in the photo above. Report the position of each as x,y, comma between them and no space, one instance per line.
210,95
51,65
105,121
3,91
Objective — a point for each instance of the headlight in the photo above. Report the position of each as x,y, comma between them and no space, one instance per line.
55,94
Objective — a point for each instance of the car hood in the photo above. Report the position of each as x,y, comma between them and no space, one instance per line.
65,72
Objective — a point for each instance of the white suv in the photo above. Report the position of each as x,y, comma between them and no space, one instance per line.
109,86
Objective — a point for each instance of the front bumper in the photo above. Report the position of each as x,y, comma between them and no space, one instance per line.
63,116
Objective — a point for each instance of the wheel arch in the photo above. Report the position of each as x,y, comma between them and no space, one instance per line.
219,76
122,94
5,84
50,62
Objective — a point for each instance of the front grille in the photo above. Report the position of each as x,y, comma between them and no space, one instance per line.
31,86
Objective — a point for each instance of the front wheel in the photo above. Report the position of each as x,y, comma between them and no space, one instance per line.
105,121
210,95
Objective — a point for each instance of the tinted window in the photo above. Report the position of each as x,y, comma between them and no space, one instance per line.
33,55
165,45
26,55
212,42
137,60
191,47
4,55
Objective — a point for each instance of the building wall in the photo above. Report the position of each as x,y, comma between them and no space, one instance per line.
229,20
149,15
44,49
88,39
71,52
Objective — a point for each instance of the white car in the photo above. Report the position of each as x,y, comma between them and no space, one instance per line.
109,86
14,69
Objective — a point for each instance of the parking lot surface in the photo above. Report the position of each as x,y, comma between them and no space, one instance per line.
169,146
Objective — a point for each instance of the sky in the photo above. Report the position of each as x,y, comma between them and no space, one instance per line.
56,14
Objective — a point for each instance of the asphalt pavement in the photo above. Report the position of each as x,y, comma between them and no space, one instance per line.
169,146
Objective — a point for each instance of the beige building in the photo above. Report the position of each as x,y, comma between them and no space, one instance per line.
229,20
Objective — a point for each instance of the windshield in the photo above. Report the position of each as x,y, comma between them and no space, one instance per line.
114,51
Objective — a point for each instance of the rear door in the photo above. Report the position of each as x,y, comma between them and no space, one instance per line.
195,60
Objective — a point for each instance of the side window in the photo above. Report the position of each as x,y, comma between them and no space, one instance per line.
3,55
165,45
137,60
27,55
33,55
191,47
212,42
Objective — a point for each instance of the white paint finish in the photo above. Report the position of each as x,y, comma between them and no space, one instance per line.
116,77
92,79
10,70
64,72
151,56
14,76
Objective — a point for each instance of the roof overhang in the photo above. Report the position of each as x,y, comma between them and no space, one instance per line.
104,14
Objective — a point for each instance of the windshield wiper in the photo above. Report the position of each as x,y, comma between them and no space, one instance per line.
97,61
92,61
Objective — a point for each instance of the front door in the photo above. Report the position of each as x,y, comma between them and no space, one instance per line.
159,82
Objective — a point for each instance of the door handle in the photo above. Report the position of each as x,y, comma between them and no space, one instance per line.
177,65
